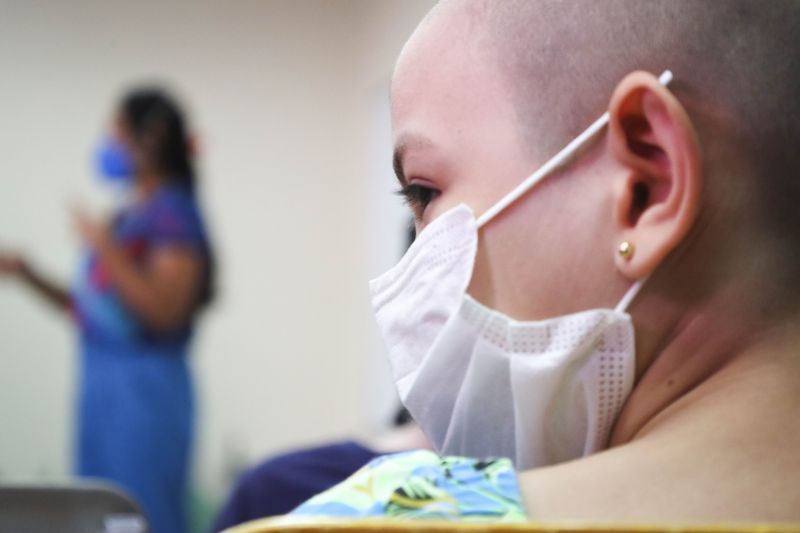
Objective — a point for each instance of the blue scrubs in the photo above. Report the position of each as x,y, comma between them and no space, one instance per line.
135,406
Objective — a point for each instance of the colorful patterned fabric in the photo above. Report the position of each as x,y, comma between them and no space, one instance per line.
422,485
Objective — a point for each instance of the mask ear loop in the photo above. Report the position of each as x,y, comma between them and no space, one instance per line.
623,304
557,160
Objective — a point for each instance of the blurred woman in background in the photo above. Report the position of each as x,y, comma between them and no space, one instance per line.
140,286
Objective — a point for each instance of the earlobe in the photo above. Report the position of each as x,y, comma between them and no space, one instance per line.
657,194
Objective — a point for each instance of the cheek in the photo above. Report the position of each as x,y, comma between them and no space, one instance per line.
515,254
541,258
465,190
479,183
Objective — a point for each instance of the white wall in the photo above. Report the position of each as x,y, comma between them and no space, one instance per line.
290,101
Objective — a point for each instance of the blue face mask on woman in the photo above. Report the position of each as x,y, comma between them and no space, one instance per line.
114,161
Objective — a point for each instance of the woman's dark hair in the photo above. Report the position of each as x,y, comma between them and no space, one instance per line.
158,125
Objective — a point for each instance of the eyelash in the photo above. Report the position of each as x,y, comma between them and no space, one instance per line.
417,197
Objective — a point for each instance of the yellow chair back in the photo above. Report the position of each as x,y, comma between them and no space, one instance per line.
272,525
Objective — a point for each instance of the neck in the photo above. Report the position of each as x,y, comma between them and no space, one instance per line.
704,344
147,183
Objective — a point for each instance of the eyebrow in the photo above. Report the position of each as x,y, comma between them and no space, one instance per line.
405,142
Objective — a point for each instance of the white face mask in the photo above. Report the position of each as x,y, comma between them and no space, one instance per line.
482,384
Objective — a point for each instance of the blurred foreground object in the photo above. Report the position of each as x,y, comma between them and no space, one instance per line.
74,508
390,526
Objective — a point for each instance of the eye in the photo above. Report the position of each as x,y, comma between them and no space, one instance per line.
417,197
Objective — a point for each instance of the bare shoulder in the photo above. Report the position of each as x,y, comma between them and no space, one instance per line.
674,477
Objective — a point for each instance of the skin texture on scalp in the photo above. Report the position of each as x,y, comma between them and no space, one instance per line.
738,57
737,72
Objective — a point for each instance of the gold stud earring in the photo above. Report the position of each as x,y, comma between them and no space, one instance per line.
625,250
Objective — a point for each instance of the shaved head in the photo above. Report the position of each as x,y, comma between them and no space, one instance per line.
499,86
737,72
737,61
